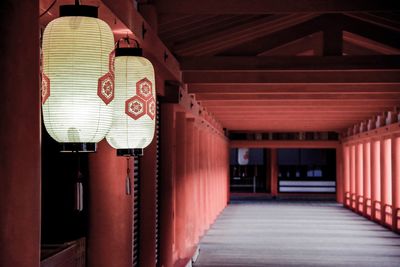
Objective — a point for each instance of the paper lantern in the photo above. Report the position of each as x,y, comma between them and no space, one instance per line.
77,78
135,101
243,156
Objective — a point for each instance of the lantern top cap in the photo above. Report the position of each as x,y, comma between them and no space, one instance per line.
78,11
128,51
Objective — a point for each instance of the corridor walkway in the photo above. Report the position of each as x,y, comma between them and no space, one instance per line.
296,234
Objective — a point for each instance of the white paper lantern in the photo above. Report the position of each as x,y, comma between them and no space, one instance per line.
77,78
135,101
243,156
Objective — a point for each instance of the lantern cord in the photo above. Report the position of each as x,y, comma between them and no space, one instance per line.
79,186
128,178
48,9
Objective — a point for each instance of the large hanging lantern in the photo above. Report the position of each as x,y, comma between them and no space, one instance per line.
135,102
77,78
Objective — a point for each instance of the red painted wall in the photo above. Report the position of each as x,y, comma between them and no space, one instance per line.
19,134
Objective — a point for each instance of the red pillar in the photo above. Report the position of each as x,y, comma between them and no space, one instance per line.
147,240
396,181
367,176
359,178
167,184
346,174
375,177
20,135
188,226
180,201
202,178
386,178
110,210
339,175
196,193
274,172
353,176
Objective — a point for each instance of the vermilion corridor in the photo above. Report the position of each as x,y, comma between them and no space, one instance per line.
215,133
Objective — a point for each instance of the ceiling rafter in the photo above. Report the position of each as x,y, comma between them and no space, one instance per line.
273,6
219,41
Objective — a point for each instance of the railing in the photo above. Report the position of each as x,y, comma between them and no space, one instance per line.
353,201
377,210
71,254
368,207
347,199
387,215
360,204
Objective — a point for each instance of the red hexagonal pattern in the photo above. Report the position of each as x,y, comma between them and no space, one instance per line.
151,108
144,89
135,107
105,88
45,88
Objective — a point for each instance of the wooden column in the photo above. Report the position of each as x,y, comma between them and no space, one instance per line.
167,184
386,177
353,189
148,168
180,201
339,175
367,176
20,159
190,217
396,181
346,173
274,172
359,178
202,177
110,210
375,176
196,193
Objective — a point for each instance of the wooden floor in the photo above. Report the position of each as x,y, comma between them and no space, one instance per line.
296,234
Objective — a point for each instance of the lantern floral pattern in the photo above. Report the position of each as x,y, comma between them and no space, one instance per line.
45,88
143,102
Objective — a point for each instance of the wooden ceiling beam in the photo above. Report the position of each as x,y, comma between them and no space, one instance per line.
371,31
218,41
367,44
273,6
292,88
250,63
304,103
293,76
275,39
313,42
321,97
377,20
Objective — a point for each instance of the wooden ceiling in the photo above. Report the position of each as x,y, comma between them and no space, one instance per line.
270,65
286,65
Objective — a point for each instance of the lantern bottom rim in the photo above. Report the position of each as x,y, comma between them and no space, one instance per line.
78,147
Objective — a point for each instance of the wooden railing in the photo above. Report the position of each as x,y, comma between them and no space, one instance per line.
387,215
347,199
377,210
368,207
360,204
70,254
